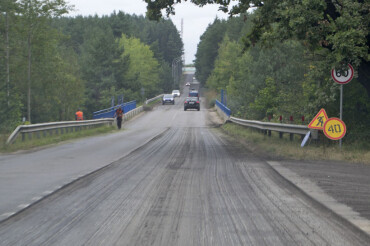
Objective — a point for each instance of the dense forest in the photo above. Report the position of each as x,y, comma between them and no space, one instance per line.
284,79
51,65
277,61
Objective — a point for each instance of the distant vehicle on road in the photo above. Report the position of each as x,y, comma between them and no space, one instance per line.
176,93
168,98
194,93
191,102
187,84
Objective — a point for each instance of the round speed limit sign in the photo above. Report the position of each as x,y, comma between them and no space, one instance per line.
334,128
344,76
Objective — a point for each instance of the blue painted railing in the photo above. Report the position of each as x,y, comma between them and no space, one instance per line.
225,109
109,112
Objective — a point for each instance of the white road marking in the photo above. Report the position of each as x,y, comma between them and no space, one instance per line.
174,116
7,214
23,206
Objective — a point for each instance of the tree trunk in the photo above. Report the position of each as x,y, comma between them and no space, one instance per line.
7,58
29,79
364,75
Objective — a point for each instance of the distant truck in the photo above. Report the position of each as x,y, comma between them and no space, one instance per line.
194,93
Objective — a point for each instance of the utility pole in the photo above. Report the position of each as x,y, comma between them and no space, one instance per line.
182,38
176,70
7,58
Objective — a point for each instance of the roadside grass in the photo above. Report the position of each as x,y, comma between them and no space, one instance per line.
49,140
210,96
149,106
275,147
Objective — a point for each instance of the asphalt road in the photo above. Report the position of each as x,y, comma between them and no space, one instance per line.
181,182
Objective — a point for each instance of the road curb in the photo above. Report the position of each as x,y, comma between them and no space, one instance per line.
316,193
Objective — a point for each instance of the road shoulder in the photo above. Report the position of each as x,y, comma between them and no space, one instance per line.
342,187
316,188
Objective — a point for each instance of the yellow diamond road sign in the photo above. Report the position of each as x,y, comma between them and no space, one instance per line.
319,120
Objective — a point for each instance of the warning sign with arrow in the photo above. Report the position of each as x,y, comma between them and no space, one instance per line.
319,120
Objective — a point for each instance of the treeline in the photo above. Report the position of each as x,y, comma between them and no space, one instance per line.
51,65
281,78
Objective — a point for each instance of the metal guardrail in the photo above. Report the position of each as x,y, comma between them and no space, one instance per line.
132,113
44,127
153,99
268,126
140,109
225,109
109,112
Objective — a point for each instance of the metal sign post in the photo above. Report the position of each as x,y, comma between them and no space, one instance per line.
341,111
342,77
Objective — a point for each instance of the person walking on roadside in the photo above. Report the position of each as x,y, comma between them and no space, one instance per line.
119,115
79,115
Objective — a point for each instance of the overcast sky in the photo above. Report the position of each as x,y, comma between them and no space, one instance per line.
195,19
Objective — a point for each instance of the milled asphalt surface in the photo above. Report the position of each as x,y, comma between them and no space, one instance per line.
188,186
343,188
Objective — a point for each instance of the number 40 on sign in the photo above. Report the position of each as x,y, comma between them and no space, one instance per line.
334,128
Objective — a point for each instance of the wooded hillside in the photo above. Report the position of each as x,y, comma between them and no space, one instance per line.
285,78
53,65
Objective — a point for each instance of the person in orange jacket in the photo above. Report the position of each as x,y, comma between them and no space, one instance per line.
119,115
79,115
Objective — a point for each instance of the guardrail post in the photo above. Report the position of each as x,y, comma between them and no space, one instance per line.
44,133
30,136
38,134
280,135
291,136
269,133
23,136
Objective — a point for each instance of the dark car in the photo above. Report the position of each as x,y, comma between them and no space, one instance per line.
192,102
168,98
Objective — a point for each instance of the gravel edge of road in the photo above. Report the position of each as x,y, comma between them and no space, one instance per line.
315,192
310,189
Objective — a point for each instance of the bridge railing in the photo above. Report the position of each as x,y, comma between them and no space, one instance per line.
104,116
51,128
153,99
266,127
109,112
